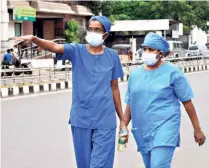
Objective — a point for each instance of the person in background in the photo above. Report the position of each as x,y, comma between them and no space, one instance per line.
155,91
7,59
96,96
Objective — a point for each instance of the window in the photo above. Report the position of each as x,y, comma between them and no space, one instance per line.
174,45
177,45
18,29
181,45
193,48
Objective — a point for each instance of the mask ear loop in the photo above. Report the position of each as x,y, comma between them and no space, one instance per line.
160,54
103,36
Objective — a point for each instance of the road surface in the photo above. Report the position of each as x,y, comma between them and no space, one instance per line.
35,133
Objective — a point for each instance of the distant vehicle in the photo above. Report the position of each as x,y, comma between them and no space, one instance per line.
16,67
124,52
61,64
8,70
204,49
177,50
194,50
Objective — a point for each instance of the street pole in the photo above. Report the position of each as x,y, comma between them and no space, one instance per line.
4,16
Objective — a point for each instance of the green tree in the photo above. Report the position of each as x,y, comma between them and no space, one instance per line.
71,32
188,12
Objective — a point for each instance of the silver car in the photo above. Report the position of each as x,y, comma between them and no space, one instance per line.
196,50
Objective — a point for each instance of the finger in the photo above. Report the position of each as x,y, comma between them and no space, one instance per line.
196,139
124,138
201,141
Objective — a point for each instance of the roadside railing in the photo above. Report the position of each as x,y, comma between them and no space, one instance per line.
39,75
34,51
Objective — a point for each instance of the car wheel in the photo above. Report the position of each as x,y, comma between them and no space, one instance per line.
17,73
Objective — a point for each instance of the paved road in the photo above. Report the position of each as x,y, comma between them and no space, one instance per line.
35,132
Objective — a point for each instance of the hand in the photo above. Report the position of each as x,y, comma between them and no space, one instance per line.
123,126
199,137
26,39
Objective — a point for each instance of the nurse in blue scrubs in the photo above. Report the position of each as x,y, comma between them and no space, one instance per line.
95,93
155,91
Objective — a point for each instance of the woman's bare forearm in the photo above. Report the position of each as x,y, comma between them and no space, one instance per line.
127,115
189,107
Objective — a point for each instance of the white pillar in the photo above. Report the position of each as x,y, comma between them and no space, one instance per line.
4,24
164,32
133,49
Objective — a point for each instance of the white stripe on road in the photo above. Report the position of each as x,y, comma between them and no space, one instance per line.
68,90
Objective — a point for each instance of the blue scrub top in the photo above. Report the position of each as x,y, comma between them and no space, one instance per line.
154,98
92,99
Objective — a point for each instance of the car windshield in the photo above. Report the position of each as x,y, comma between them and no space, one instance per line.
193,48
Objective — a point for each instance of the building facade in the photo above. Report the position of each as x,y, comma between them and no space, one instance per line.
41,18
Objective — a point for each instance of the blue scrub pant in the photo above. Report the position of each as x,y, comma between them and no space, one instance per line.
94,148
159,157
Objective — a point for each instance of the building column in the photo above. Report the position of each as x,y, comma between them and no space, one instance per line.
133,49
4,25
164,32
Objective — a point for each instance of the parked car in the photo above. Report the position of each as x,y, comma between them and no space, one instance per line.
194,50
177,50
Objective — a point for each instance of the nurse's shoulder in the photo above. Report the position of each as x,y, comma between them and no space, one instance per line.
136,72
175,71
113,53
173,68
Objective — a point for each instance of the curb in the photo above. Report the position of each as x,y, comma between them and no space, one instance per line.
36,88
195,68
62,85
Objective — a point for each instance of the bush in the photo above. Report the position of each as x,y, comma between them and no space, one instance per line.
71,32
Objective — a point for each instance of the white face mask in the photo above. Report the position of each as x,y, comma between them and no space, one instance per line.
94,39
149,58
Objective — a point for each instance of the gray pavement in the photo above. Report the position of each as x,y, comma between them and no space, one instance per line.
35,133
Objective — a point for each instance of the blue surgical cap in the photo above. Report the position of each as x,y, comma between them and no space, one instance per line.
156,41
104,21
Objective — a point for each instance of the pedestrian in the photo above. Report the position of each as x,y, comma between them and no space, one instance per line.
153,98
14,56
7,58
96,96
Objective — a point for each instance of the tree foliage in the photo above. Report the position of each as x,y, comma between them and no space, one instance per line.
71,32
187,12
